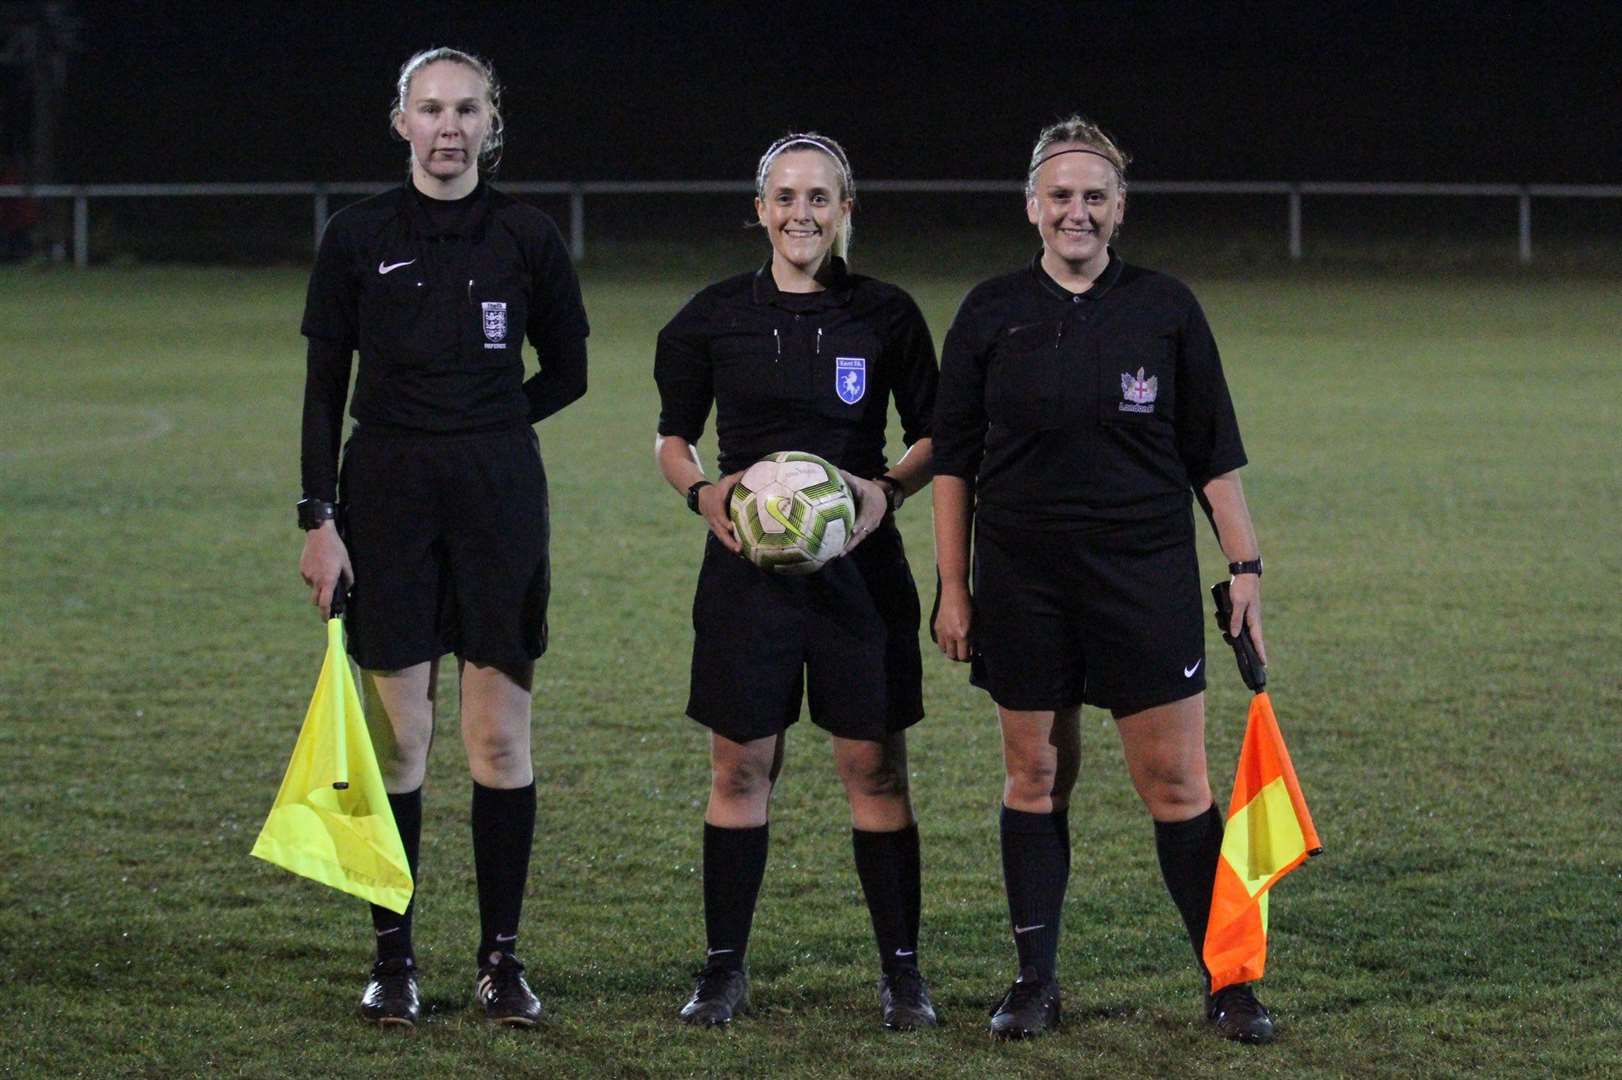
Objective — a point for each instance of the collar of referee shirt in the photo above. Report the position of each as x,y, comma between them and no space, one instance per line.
835,292
1100,286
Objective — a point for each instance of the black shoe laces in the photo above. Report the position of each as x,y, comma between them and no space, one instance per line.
907,987
1236,999
507,977
1022,993
713,982
394,977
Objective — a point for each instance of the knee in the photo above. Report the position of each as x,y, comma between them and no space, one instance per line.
878,779
741,781
498,751
1173,794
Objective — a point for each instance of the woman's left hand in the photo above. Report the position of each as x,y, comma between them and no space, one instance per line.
1245,590
872,501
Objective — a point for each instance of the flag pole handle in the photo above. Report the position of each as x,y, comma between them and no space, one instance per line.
340,600
1251,668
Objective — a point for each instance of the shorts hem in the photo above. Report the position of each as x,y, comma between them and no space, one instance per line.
1166,696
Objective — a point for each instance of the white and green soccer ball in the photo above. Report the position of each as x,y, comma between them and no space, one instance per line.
793,512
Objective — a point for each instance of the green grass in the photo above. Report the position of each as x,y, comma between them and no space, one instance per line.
1435,482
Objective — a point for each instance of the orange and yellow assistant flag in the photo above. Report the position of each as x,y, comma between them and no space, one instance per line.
1268,834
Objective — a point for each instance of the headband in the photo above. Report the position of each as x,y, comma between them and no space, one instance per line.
1077,150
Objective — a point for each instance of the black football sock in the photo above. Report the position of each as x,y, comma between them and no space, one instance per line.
1035,870
503,831
393,929
734,866
881,864
1188,852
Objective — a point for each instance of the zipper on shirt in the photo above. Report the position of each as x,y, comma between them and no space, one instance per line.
819,341
1059,337
778,339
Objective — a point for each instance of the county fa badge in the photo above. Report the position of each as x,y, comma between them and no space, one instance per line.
850,378
1139,392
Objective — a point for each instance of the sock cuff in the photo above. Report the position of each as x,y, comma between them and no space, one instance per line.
880,836
1054,823
1189,833
518,796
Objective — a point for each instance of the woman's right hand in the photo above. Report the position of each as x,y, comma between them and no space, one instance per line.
953,622
713,503
324,561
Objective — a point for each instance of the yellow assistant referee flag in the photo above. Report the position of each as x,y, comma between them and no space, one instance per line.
331,820
1268,834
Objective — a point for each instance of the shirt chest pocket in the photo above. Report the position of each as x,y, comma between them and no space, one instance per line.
844,371
1025,377
1138,380
397,316
747,369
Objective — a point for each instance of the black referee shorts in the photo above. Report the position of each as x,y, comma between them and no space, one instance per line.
449,536
1110,615
845,637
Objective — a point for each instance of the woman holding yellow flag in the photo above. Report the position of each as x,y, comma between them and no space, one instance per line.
443,530
1081,399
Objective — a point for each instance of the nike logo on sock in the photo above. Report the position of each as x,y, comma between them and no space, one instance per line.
506,937
718,952
1028,929
390,930
905,952
1188,672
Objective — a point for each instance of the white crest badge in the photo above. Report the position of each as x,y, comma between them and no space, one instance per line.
495,319
1139,392
850,378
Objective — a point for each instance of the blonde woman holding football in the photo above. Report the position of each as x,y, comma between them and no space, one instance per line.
803,354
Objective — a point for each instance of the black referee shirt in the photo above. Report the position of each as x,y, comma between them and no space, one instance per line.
797,371
1067,409
438,306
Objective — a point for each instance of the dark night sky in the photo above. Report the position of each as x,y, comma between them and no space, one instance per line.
1493,90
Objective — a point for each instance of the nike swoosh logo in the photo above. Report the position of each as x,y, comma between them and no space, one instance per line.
773,509
1028,929
506,937
1188,672
383,267
718,952
906,952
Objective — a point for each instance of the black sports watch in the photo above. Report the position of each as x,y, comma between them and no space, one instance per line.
1250,566
313,513
692,495
896,495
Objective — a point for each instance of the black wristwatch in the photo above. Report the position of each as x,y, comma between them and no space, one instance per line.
692,495
313,513
1251,566
896,494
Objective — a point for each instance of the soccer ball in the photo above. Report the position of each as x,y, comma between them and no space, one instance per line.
793,512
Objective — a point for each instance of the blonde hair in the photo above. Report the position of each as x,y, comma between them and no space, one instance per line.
1076,128
810,140
490,149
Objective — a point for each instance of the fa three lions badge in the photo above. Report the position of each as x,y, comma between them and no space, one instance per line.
495,323
850,378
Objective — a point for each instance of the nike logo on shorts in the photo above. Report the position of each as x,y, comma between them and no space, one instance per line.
1188,672
383,267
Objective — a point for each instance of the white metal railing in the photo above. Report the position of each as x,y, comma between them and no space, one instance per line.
81,194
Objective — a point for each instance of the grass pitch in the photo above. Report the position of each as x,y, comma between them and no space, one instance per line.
1435,480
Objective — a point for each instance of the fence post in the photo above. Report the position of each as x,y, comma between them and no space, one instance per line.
1295,222
577,222
81,230
320,213
1526,224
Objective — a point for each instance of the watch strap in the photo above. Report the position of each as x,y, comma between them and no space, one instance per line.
1249,566
692,494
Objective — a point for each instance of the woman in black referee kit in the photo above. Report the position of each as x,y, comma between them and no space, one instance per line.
774,352
1081,399
443,531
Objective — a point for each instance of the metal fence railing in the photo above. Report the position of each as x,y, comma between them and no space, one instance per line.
576,192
